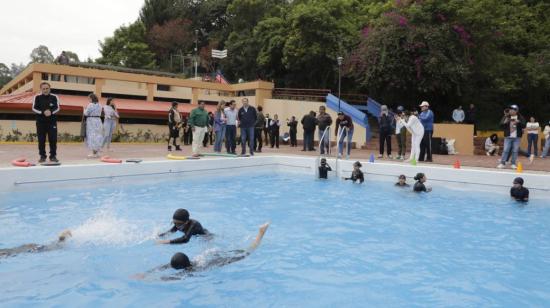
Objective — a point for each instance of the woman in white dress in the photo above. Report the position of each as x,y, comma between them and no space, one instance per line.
415,127
94,127
109,124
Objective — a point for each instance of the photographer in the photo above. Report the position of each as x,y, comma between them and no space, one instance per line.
513,123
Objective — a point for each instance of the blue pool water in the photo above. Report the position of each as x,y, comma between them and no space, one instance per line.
329,243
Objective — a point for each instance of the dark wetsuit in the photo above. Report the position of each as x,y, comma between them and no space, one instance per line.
356,176
192,227
404,185
323,171
29,248
519,194
218,259
419,187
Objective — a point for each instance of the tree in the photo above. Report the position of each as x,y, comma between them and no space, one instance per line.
41,54
5,74
15,69
73,57
173,36
127,47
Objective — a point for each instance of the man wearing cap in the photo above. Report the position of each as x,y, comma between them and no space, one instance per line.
518,192
427,119
513,124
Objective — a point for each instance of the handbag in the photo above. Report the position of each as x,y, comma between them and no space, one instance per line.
83,127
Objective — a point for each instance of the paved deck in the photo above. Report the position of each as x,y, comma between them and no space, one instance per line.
74,153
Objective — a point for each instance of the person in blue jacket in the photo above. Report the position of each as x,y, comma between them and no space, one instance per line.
427,119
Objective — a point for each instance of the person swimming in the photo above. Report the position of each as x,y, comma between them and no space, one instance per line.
180,261
419,186
356,174
182,223
324,168
402,181
36,248
518,192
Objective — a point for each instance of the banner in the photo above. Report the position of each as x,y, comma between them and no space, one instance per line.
220,54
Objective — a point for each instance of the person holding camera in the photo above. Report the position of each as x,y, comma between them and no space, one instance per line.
513,124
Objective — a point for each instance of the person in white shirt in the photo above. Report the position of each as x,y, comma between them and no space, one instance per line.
109,124
532,128
546,133
415,127
458,115
491,145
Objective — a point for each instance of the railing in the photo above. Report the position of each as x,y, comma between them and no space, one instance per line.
317,95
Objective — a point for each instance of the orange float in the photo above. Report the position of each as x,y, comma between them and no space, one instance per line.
107,159
21,162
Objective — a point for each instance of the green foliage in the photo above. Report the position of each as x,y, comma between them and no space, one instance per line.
5,74
73,57
127,47
41,54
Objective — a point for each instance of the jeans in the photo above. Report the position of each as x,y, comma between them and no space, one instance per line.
346,133
546,148
385,137
220,133
426,146
324,142
308,140
511,144
247,134
532,140
108,128
230,135
48,128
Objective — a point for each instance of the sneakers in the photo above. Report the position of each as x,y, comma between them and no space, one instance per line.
178,148
53,159
514,167
390,157
487,153
531,158
500,166
42,159
169,148
380,156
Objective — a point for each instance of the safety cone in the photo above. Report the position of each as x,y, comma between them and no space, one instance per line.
457,164
519,168
371,159
413,161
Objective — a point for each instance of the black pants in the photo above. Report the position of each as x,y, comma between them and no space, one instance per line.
293,140
426,146
230,135
48,128
258,142
174,134
207,138
275,138
308,140
385,137
266,135
188,137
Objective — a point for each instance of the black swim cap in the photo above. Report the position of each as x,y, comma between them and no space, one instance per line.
181,214
518,180
419,176
358,164
180,261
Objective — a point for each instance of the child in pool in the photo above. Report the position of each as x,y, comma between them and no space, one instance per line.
356,174
419,186
402,181
35,248
182,223
518,192
324,168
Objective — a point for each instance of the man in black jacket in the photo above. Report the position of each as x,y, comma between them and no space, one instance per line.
308,123
247,120
46,106
513,124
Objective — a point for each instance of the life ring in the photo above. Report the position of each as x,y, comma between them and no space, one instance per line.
21,162
107,159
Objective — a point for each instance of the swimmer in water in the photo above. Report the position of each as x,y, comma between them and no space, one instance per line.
180,261
35,248
419,185
402,181
518,192
324,168
356,174
182,223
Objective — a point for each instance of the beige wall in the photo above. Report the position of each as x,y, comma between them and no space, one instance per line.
462,133
287,108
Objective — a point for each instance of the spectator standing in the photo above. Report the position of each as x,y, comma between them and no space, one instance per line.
109,124
198,121
231,128
258,128
401,133
274,127
415,127
208,136
293,131
427,119
219,126
46,105
324,120
532,128
471,117
491,145
94,127
308,124
344,130
386,125
266,129
458,115
513,123
174,123
247,120
546,133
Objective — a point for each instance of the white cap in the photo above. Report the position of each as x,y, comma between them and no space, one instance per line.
425,103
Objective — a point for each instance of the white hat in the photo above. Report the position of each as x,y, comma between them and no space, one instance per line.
425,103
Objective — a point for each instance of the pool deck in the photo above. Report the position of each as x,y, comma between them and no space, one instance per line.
76,153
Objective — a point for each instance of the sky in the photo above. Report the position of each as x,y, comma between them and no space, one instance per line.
75,25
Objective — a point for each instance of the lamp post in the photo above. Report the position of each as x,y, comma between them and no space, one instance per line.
340,60
196,52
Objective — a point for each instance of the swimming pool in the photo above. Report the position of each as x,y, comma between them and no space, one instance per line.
330,243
